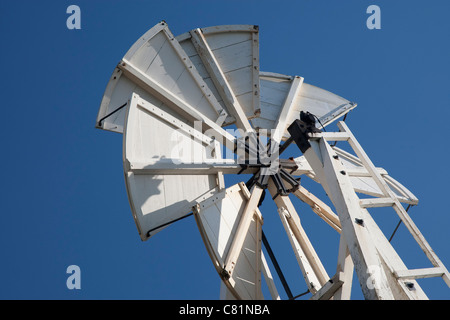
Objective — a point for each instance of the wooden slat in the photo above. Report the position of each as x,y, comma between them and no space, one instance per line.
155,198
420,239
242,229
158,55
346,267
172,167
330,136
361,172
319,207
219,79
363,181
391,263
220,221
338,187
308,272
376,202
269,279
174,102
281,122
329,289
420,273
312,259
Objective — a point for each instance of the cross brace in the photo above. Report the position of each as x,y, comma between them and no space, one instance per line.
380,270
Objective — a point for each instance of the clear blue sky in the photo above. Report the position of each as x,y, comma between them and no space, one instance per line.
63,198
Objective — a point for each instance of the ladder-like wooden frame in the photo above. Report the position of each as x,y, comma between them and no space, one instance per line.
380,270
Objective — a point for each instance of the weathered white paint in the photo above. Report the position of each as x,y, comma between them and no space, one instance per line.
160,59
387,191
313,271
224,220
277,103
227,58
156,198
361,236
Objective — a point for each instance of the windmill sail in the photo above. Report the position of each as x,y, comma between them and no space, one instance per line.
172,97
157,66
219,219
152,139
227,58
283,97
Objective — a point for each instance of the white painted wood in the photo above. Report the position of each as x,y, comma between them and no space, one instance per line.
225,293
319,207
227,58
269,278
393,270
158,56
392,262
302,167
275,90
406,219
166,166
310,264
376,202
420,273
363,181
329,289
250,210
309,275
361,172
330,136
340,190
218,219
177,105
345,268
219,79
212,76
281,122
157,199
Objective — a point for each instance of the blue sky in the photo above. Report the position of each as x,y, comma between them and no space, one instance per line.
63,199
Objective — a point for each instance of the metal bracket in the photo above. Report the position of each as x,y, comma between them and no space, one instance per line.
300,130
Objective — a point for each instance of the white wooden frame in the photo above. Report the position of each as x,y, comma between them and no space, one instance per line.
360,235
201,39
130,68
224,260
167,203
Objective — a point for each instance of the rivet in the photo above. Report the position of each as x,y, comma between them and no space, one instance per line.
410,285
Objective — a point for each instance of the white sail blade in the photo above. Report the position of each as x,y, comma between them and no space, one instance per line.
275,92
218,219
227,58
156,65
157,199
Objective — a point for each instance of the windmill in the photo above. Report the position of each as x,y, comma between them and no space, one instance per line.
196,107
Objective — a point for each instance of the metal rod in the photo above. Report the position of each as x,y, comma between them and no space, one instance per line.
110,114
398,225
285,145
277,267
167,223
301,294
